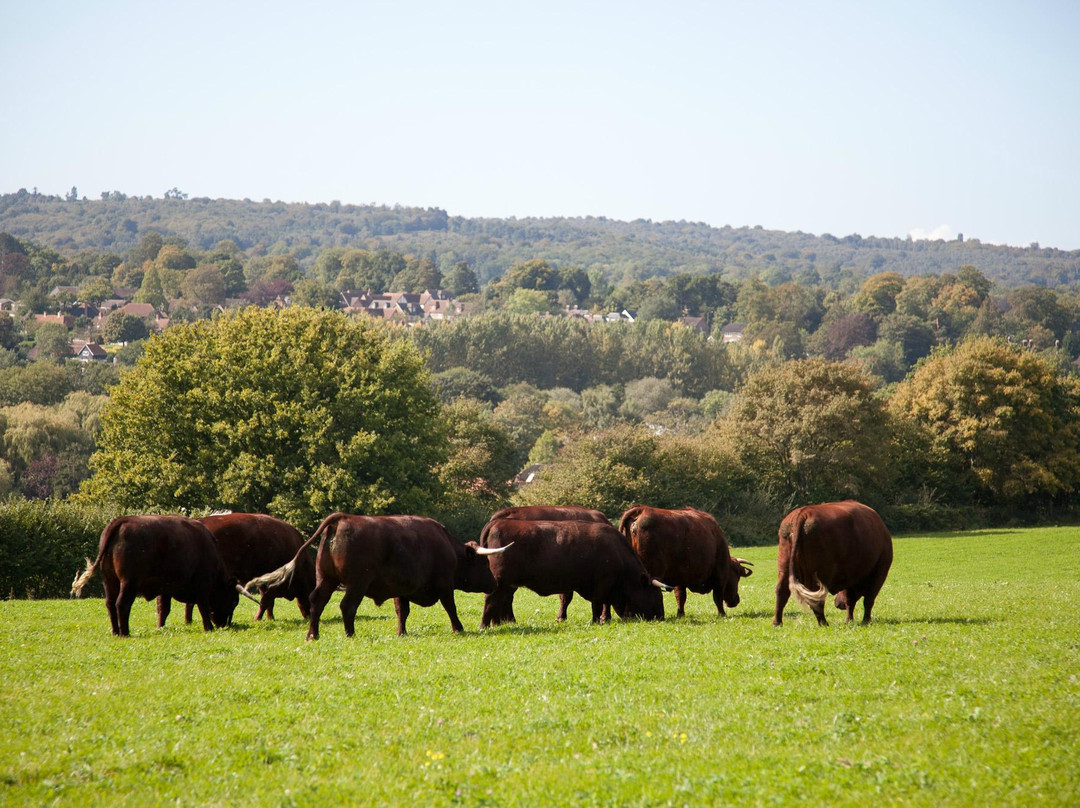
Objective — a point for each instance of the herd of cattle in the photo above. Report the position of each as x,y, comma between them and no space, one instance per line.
842,548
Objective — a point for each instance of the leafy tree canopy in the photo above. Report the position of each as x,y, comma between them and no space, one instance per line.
294,413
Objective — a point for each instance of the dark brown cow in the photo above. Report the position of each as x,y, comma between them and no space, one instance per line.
686,549
556,513
552,513
837,547
589,558
161,555
411,559
253,544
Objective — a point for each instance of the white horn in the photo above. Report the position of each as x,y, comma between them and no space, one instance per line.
247,594
660,585
486,551
743,561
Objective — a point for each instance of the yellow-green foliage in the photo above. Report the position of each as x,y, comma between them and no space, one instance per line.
295,413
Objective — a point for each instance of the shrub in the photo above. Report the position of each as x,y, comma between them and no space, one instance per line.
43,544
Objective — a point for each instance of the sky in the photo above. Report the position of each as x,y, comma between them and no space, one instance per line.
879,118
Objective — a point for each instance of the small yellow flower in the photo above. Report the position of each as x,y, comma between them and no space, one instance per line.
682,738
648,733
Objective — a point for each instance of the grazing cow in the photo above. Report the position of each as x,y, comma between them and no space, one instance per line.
411,559
556,513
161,555
253,544
589,558
838,547
686,549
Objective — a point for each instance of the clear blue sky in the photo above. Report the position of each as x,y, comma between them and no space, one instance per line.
877,118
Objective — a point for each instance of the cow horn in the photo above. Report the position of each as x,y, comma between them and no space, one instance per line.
487,551
246,594
743,561
661,585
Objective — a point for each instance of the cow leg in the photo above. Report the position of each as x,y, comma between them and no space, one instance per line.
845,601
605,615
718,599
680,601
305,608
564,601
450,605
112,590
350,602
204,613
867,607
320,596
401,608
819,612
124,602
598,611
164,606
189,610
266,608
783,593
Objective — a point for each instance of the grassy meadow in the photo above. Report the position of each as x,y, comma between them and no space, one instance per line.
964,691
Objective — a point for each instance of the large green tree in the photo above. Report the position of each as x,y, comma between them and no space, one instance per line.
810,431
295,413
1006,421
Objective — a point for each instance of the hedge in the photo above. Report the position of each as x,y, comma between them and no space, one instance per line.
44,543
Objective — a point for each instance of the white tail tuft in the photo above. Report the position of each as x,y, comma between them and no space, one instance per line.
83,578
813,599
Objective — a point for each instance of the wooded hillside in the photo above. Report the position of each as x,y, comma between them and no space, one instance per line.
621,251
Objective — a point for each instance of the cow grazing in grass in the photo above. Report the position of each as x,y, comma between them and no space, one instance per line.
556,513
841,548
253,544
411,559
686,549
169,556
549,558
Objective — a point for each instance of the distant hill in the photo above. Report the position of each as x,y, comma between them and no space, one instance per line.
623,251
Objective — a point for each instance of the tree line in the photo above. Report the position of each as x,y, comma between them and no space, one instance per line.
621,252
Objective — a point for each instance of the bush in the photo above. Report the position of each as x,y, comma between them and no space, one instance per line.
43,544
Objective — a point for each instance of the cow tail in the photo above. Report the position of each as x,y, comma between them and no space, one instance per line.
812,598
483,542
284,574
83,578
628,519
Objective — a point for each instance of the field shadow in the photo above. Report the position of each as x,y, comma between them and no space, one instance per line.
936,621
522,630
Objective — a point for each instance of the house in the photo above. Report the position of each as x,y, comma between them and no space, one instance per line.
700,323
64,290
7,304
66,320
732,332
88,351
527,475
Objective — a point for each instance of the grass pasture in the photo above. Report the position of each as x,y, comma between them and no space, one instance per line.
964,691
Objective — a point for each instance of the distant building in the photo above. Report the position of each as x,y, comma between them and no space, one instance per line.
732,332
88,351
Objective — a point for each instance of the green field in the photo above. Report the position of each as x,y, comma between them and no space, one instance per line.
964,691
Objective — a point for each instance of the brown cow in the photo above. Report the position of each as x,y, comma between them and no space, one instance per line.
411,559
253,544
686,549
836,547
556,513
589,558
161,555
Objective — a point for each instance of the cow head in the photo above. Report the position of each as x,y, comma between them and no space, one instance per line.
223,601
473,570
643,600
739,568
